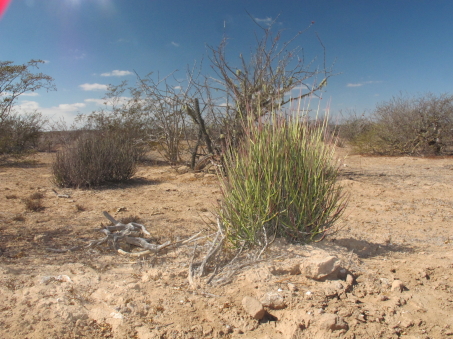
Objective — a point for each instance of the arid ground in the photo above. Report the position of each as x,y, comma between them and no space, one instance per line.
395,240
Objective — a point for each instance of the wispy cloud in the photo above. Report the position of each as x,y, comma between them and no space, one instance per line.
96,101
93,87
266,21
28,94
65,111
359,84
116,73
175,44
109,101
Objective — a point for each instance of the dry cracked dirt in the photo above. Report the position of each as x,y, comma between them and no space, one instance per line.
392,251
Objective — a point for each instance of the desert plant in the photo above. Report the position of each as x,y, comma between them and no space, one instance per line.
18,217
36,196
96,158
413,125
281,181
34,202
19,132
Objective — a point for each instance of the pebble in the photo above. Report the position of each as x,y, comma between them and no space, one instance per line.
320,267
350,280
253,307
292,287
398,286
332,322
274,301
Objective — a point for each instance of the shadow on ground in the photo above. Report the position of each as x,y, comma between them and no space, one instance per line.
367,249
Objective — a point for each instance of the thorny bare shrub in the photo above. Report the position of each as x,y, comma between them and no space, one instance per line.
415,125
96,158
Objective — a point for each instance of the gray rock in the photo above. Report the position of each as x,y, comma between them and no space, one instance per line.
273,300
253,307
332,322
320,267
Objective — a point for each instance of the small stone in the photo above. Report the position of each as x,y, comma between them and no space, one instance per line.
274,301
332,322
253,307
292,287
383,298
320,267
350,280
398,286
183,169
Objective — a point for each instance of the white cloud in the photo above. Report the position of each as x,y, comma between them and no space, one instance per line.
30,94
266,21
116,73
65,111
354,85
175,44
93,87
109,101
96,101
177,87
359,84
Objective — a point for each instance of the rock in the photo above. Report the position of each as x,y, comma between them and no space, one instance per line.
261,274
398,286
320,267
290,266
183,169
273,300
350,280
253,307
292,287
332,322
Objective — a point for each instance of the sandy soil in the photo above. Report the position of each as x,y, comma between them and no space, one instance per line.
397,227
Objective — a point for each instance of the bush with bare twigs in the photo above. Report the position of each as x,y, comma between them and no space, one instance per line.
95,159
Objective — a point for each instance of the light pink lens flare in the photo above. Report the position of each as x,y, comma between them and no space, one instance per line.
3,5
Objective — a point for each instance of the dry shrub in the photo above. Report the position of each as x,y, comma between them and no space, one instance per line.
80,208
19,217
419,125
97,158
34,205
36,196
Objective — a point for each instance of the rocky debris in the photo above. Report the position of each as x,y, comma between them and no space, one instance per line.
273,300
320,267
261,274
182,169
398,286
253,307
350,280
332,322
292,287
291,267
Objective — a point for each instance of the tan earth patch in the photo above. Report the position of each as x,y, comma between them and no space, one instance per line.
397,227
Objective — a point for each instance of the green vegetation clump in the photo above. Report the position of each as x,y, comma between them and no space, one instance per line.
281,182
96,158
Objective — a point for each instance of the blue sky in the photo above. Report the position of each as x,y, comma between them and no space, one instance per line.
377,47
